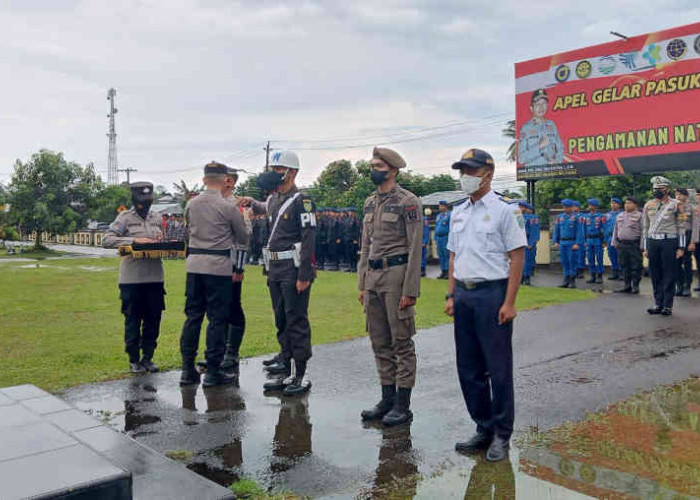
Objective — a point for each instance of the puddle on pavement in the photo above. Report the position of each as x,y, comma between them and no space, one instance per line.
647,446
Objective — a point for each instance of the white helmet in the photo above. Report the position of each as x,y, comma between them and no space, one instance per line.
287,159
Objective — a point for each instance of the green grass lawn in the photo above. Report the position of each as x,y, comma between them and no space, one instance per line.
31,253
61,323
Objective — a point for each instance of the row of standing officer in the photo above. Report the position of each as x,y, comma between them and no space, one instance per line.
338,234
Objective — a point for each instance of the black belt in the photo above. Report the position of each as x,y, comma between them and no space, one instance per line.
394,260
208,251
480,284
567,239
630,241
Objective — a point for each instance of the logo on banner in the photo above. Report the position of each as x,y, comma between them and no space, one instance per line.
676,49
562,73
652,55
606,64
584,69
697,44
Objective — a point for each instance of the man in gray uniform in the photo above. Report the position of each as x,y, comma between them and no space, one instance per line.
289,263
140,280
213,226
389,284
685,263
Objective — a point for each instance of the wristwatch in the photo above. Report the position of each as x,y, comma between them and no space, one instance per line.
449,296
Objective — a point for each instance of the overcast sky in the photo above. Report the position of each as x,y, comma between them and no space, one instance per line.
216,79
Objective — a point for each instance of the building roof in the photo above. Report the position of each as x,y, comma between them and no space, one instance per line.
451,197
167,208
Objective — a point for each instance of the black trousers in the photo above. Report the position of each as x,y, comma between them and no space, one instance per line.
684,274
291,311
663,269
630,259
352,249
697,260
236,326
142,306
210,294
485,358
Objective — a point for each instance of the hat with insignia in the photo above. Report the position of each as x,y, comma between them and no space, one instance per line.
141,188
442,202
525,204
659,181
566,202
475,158
576,203
389,156
682,191
616,200
539,94
215,168
594,202
632,199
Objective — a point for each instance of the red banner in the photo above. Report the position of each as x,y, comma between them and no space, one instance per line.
630,106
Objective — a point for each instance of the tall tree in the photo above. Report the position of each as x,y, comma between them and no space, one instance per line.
110,199
185,192
510,133
50,194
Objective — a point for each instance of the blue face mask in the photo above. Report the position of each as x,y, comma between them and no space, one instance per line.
270,180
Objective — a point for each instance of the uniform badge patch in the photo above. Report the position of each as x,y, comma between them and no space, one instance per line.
411,212
521,220
285,216
307,205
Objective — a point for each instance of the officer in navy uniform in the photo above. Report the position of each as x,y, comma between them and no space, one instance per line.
592,227
290,270
487,252
580,253
140,280
532,231
442,231
353,231
321,237
567,238
214,225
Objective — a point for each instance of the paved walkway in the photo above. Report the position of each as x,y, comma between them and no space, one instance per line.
569,359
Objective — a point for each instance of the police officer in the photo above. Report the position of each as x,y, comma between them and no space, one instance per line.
539,142
627,240
140,280
389,284
331,262
580,253
610,218
214,225
321,243
339,238
353,231
592,228
290,271
664,243
685,263
487,252
532,232
567,238
442,231
425,242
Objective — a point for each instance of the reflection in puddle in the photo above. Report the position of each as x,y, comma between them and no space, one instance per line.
292,439
646,446
491,480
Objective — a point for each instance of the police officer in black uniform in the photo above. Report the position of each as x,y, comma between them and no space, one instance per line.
353,230
290,270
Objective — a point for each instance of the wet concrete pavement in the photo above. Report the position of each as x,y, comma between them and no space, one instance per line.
569,359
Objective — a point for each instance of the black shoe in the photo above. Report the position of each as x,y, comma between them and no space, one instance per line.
217,377
279,368
422,273
230,363
526,281
572,282
479,441
383,407
498,450
298,385
685,292
400,413
277,383
565,283
655,310
592,279
202,366
580,275
136,367
271,361
635,288
666,311
624,289
599,278
190,375
696,289
149,366
615,276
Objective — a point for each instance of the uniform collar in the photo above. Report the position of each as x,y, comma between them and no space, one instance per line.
488,199
211,192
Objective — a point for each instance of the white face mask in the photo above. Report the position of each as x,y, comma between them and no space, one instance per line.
469,183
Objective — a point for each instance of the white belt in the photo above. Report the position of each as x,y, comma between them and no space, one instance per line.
286,255
662,236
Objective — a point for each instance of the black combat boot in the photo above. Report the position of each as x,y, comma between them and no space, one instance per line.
572,282
565,283
400,413
190,375
679,289
300,383
655,310
592,279
526,281
383,407
615,276
625,289
635,287
279,381
685,291
278,368
271,361
599,278
148,365
217,377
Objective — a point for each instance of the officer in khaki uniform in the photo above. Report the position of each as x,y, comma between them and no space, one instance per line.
389,284
140,280
213,226
663,237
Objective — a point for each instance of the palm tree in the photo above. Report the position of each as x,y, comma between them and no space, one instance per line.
509,132
183,192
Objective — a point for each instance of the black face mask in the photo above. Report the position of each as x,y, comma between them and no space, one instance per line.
379,177
270,180
142,203
659,194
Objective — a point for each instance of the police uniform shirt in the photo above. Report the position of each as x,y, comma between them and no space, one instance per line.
127,226
442,224
243,247
686,217
481,235
695,237
529,150
628,227
213,223
392,226
297,224
670,223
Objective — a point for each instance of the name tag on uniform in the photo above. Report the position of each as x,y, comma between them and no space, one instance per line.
487,218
